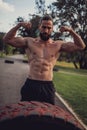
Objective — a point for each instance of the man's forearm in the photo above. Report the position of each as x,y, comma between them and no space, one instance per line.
11,34
77,39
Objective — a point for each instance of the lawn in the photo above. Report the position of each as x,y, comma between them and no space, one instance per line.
71,84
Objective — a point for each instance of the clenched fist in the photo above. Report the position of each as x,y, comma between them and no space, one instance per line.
65,28
26,25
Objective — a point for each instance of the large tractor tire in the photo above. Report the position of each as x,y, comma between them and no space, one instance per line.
36,116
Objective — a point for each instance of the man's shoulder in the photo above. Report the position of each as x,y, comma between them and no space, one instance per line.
58,42
30,38
30,41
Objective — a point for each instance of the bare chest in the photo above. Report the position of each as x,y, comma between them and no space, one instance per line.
44,51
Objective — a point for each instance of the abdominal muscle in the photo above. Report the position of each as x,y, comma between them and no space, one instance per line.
40,69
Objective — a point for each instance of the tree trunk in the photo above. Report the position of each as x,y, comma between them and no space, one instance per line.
75,64
83,64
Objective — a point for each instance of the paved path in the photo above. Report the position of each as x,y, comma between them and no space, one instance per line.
12,77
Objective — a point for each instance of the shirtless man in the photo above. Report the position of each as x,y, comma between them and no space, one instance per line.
42,54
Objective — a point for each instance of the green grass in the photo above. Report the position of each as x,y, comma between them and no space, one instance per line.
71,84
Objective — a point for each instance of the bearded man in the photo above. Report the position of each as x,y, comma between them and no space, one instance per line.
42,52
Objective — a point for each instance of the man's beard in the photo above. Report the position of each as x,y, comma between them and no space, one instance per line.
45,36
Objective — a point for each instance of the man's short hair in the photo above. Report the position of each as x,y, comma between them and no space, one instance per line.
46,17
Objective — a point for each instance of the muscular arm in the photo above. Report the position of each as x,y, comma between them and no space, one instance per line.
78,43
12,40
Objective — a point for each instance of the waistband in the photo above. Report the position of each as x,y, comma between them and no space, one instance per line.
39,81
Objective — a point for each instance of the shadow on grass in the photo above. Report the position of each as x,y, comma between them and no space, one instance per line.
69,69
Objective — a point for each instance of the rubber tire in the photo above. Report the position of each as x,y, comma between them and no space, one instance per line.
36,116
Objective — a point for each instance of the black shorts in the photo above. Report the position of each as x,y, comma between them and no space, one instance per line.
35,90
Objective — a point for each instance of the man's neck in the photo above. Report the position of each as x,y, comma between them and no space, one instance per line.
45,42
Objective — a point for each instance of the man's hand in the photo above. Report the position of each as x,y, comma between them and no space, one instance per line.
65,29
26,25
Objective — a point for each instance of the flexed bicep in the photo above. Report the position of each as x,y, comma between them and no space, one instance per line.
17,42
11,39
69,47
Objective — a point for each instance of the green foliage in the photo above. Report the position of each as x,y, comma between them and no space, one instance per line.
8,49
41,7
2,54
74,14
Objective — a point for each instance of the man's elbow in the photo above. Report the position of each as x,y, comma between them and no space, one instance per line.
83,47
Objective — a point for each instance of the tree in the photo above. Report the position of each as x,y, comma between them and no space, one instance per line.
40,6
74,14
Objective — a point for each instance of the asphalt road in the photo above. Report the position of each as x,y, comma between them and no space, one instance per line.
12,77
